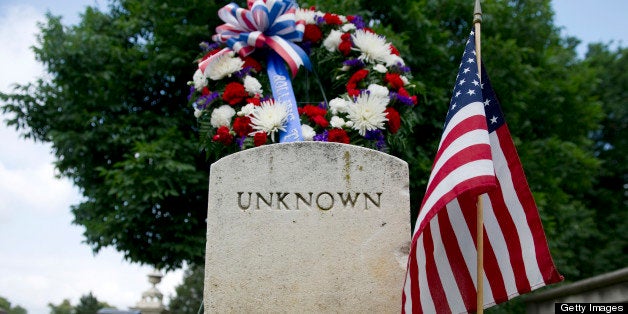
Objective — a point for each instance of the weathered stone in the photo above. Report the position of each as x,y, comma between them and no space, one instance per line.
307,227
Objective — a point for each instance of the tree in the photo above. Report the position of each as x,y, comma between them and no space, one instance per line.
88,304
5,305
114,109
189,294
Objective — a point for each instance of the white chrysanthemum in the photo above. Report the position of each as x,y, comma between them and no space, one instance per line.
373,47
348,27
269,117
307,15
333,40
338,105
336,122
200,80
198,113
252,86
378,90
222,66
222,115
380,68
367,112
246,110
392,59
307,132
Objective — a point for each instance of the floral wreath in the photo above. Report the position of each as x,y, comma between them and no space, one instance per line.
358,102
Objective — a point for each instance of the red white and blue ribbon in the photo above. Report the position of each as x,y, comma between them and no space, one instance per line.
270,23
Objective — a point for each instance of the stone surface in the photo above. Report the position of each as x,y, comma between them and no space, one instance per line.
307,227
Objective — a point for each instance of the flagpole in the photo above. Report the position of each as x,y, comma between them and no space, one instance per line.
477,22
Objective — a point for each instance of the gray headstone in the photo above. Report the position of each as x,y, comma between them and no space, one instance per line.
307,227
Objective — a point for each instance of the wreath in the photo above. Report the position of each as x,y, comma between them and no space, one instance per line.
351,84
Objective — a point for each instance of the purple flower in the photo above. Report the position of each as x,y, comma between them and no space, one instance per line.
240,141
322,137
378,136
206,100
192,90
358,22
244,72
206,46
354,63
402,99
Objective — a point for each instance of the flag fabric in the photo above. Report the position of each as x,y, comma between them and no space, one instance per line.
475,158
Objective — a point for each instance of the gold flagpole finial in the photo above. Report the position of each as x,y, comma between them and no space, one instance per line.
477,12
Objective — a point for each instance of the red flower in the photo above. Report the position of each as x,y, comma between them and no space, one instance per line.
242,126
320,120
311,111
250,62
393,50
338,136
345,47
358,75
332,19
394,80
254,100
394,120
259,139
205,91
345,37
223,136
353,92
312,33
234,93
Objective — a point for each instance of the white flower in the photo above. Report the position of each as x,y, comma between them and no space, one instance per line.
221,66
338,105
269,117
367,112
200,80
373,47
198,113
333,40
347,27
380,68
307,15
252,85
378,90
404,79
337,122
392,59
307,132
246,110
221,116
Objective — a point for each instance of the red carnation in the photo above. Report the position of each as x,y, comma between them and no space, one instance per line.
353,92
223,136
242,126
359,75
311,111
320,120
394,80
345,47
205,91
338,136
345,37
250,62
394,120
259,139
332,19
234,93
254,100
312,33
403,92
393,50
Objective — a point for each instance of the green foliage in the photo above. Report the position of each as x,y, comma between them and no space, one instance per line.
189,294
6,306
114,108
88,304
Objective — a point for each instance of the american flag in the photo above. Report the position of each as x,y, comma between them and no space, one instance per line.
475,158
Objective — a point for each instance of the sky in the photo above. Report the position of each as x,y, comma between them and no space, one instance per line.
42,257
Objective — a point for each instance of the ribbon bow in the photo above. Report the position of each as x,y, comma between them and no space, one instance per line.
269,23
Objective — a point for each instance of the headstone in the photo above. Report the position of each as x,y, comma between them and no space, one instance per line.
307,227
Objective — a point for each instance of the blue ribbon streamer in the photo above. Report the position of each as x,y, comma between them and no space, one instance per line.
281,87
